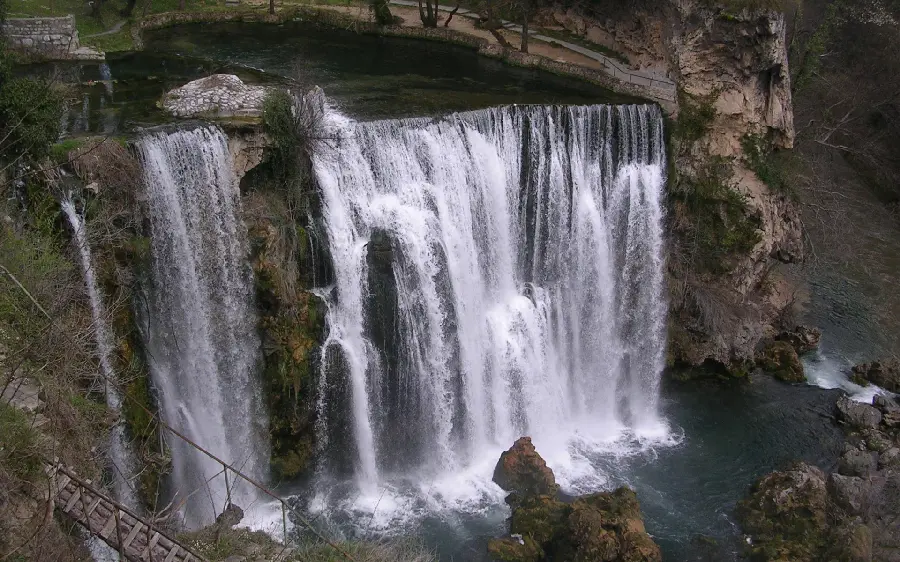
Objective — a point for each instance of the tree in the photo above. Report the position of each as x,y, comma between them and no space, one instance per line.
381,12
428,13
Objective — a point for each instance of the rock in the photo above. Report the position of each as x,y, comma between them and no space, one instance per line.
216,96
230,517
857,414
889,409
885,374
522,470
857,463
594,528
875,440
889,459
781,360
849,492
786,515
802,338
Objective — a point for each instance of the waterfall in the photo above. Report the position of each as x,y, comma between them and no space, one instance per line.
497,273
121,455
201,329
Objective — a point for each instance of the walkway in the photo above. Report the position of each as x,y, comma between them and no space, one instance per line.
134,538
610,66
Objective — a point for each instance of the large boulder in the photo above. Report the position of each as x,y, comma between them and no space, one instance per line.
216,96
779,358
523,471
544,526
849,492
786,515
856,414
857,463
885,374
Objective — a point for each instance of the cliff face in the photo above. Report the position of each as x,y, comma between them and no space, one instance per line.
731,69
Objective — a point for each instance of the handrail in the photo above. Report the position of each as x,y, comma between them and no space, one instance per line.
285,507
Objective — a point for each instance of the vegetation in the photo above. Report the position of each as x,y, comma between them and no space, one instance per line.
768,165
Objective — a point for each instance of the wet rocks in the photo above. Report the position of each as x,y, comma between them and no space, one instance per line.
216,96
852,514
856,414
885,374
602,527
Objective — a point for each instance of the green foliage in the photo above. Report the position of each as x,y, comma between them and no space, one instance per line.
59,152
765,163
715,216
29,115
279,123
20,451
814,50
695,115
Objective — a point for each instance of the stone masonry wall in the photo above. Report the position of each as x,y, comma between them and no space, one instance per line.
49,38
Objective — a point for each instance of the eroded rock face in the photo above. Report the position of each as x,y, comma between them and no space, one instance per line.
216,96
598,527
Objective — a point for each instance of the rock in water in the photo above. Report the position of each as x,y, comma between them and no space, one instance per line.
216,96
523,471
781,360
857,414
885,374
595,528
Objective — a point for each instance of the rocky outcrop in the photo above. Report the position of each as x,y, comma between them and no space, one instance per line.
47,38
729,229
523,471
885,374
247,147
216,97
606,526
803,515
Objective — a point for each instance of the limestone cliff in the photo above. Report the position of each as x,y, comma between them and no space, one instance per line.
728,229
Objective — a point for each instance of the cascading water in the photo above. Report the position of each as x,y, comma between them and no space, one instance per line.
121,455
498,273
201,329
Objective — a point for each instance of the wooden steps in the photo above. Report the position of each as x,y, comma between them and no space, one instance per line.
134,538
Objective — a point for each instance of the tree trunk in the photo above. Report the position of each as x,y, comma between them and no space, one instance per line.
450,17
271,6
181,5
524,45
129,8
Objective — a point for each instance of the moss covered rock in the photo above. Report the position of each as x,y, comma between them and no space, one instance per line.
781,360
606,526
786,514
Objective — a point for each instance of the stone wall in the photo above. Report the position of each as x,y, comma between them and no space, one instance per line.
47,38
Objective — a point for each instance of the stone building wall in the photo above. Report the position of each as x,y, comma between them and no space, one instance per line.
48,38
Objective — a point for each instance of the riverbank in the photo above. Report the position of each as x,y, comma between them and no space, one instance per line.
550,54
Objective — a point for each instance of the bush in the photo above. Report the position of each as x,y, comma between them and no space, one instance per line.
29,114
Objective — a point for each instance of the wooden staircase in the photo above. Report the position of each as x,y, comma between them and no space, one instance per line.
134,538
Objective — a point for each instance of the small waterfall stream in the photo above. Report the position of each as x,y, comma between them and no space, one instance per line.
201,328
498,273
121,455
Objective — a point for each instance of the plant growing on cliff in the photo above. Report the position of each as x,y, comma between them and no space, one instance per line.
765,163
